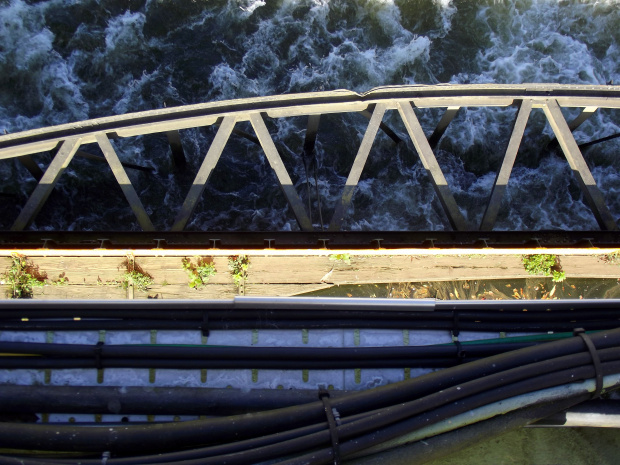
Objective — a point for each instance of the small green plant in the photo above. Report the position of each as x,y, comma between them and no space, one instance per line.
23,276
61,281
135,276
199,273
238,266
138,279
341,257
547,265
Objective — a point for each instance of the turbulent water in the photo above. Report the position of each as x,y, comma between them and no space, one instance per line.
64,61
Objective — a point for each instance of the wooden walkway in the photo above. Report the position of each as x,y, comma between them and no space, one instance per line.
91,277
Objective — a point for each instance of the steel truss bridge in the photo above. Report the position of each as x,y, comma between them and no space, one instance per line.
65,141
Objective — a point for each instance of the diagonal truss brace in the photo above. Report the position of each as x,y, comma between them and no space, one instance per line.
204,173
123,180
503,175
443,124
358,166
49,179
455,217
590,190
278,167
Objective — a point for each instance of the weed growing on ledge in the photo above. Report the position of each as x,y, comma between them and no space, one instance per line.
547,265
341,257
22,276
199,273
238,266
135,276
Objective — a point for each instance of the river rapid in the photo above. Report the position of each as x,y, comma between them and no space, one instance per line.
63,61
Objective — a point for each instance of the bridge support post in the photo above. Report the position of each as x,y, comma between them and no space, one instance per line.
204,173
455,217
358,166
46,184
501,180
123,180
590,190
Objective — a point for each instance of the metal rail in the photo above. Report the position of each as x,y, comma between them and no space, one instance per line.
67,139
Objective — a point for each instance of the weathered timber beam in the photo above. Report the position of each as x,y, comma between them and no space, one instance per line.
455,217
358,166
501,180
204,173
445,120
280,170
176,146
46,184
591,192
123,180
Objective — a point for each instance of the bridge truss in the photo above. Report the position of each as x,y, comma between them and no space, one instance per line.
65,141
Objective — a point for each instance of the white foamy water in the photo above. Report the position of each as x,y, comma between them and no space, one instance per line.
63,61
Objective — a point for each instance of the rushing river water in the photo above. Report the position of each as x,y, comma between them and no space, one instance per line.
69,60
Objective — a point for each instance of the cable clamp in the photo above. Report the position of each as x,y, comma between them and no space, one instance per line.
204,326
455,324
98,349
460,352
331,421
596,361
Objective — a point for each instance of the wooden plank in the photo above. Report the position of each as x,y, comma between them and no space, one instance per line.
183,291
455,217
443,124
123,180
100,277
503,175
46,184
590,190
278,167
88,292
204,173
358,166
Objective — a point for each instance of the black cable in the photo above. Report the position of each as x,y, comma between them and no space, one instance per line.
184,435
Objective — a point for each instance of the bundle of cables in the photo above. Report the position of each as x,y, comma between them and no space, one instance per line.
532,382
312,313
